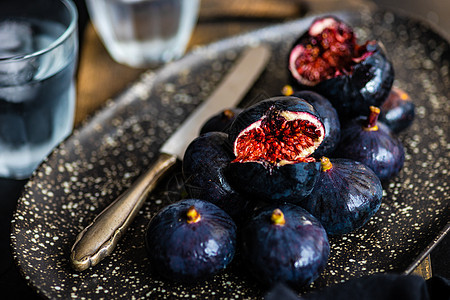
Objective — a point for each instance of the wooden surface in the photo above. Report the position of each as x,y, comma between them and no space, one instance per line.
100,78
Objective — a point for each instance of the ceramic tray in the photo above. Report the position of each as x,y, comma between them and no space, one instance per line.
103,157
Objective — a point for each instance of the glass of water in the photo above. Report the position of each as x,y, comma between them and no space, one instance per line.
38,54
142,33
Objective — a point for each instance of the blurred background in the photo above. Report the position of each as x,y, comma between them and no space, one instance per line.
100,78
437,12
219,19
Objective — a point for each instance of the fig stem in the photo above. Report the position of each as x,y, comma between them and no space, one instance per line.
404,96
325,164
277,217
228,114
192,215
371,124
287,90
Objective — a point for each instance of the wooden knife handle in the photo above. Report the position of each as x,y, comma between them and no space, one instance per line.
99,239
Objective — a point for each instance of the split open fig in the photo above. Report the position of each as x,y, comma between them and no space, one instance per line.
273,142
328,60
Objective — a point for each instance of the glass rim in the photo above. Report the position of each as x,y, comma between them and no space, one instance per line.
63,37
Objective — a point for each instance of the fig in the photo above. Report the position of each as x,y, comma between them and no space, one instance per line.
328,60
221,121
285,244
328,116
346,196
272,143
190,240
203,166
372,143
398,111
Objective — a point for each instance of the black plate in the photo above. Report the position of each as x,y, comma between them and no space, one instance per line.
103,157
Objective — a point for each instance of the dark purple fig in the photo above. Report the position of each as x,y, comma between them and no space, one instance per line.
221,121
328,116
204,162
290,183
372,143
190,240
398,111
273,141
346,196
285,244
328,60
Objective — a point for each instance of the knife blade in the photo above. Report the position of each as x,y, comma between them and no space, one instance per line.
100,237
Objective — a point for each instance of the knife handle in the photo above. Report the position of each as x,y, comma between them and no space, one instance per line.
99,239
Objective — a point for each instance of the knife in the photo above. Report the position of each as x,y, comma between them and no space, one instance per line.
99,239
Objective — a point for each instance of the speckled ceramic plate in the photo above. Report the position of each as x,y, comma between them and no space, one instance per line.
103,157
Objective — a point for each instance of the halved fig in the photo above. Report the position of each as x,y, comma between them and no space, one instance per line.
273,142
328,59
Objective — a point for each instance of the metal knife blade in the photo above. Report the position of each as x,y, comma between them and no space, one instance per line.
99,239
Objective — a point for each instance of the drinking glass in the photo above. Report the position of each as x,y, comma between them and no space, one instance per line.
141,33
38,54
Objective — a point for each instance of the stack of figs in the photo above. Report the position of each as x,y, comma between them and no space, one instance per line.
275,179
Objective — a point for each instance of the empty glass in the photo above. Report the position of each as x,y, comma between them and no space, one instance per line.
38,54
142,33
